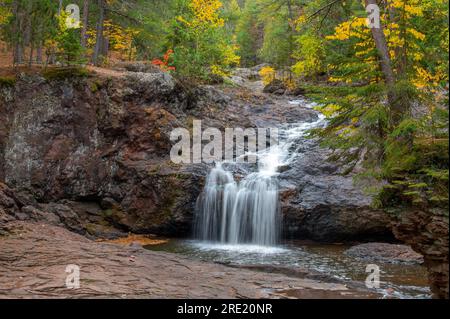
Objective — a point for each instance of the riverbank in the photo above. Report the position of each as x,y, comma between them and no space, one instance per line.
34,257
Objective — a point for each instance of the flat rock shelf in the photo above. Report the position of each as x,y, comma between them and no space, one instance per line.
34,257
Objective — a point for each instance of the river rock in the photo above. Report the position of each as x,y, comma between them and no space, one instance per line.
275,87
151,85
385,253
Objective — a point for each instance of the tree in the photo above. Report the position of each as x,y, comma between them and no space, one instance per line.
249,34
199,41
382,74
69,48
100,49
85,23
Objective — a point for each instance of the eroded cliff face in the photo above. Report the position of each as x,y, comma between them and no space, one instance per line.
426,231
98,148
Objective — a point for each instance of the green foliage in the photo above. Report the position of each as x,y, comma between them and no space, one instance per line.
309,56
200,42
69,47
276,45
248,30
32,26
57,74
7,81
398,134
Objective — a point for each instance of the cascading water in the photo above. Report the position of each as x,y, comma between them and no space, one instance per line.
247,212
244,212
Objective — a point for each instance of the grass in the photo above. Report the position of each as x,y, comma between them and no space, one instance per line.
56,74
7,80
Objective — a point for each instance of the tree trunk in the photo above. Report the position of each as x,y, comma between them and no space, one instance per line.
291,32
15,30
28,34
85,22
30,61
397,108
18,54
105,47
383,51
39,54
99,37
60,5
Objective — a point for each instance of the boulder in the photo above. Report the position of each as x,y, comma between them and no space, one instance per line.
142,67
8,207
151,85
275,87
318,202
297,91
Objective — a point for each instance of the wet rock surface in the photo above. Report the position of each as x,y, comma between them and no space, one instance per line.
386,253
34,257
320,202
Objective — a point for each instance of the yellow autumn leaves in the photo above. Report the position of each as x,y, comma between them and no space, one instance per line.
121,39
397,37
206,12
204,22
5,13
356,27
267,74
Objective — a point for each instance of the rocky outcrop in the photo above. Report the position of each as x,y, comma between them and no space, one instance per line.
8,206
275,87
96,140
427,232
34,257
385,253
319,202
138,66
93,154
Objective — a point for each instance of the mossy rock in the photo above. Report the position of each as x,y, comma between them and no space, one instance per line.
56,74
7,80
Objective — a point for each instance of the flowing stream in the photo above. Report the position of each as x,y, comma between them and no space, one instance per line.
237,222
247,211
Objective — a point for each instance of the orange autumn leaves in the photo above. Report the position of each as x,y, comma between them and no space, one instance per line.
164,63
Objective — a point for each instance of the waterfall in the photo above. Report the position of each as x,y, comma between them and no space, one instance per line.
246,211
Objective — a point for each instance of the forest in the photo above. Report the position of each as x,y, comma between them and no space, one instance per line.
376,69
386,92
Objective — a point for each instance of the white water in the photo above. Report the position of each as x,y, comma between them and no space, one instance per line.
247,211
